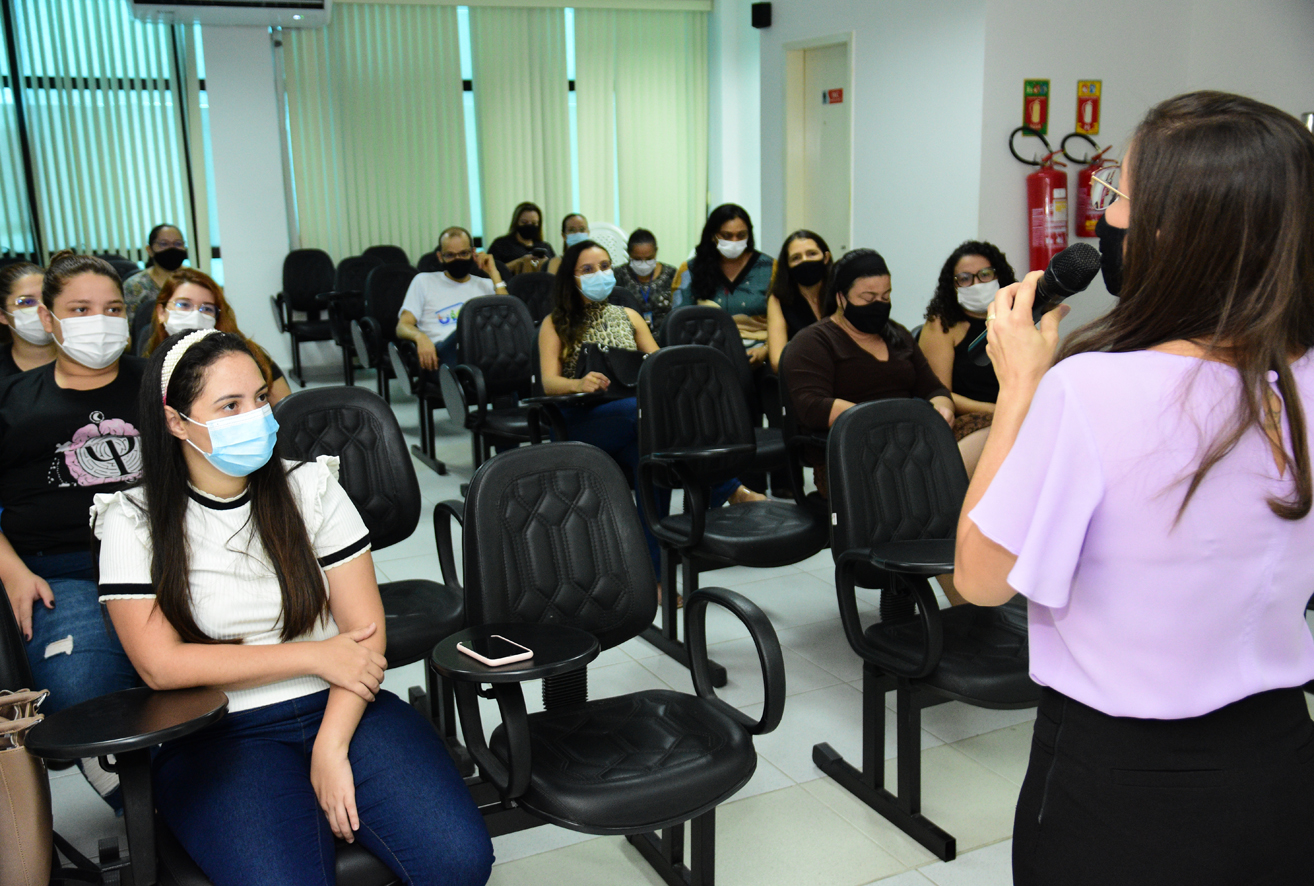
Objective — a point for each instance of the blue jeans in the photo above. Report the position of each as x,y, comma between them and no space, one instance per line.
237,795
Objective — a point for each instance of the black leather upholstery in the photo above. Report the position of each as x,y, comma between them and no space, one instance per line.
14,670
535,290
763,534
388,255
428,263
347,305
385,290
307,282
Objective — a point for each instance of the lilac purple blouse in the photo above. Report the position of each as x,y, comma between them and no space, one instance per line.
1129,613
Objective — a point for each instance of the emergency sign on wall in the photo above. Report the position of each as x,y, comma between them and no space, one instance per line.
1088,107
1035,105
832,97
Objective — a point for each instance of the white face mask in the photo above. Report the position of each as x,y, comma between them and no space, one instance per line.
977,298
96,341
27,326
643,268
186,321
731,249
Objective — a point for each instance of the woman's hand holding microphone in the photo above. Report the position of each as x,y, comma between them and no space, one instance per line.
1020,351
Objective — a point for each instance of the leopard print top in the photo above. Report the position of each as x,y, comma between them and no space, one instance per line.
604,324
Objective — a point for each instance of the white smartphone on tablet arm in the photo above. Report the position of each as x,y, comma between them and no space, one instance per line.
496,650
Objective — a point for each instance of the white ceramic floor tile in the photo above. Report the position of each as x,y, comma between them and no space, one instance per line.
988,866
794,599
744,673
823,643
871,823
1004,751
533,841
954,720
907,878
81,816
605,861
963,797
766,778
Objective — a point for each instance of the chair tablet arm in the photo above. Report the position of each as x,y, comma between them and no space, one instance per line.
472,382
276,303
455,396
674,456
444,513
768,654
510,777
928,613
695,501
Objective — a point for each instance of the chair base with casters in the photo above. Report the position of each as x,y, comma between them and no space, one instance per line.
428,397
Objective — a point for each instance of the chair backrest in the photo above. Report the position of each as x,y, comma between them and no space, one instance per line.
428,263
141,325
306,273
388,255
353,271
374,466
385,290
895,474
14,670
535,290
124,267
552,536
715,327
690,398
625,298
611,238
496,333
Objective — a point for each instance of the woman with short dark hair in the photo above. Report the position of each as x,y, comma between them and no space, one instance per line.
649,279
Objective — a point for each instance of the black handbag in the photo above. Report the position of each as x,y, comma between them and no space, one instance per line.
620,365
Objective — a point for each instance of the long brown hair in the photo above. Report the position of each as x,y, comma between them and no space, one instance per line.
1220,252
278,522
226,321
567,302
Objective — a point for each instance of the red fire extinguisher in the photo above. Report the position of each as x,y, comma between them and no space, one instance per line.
1085,216
1047,203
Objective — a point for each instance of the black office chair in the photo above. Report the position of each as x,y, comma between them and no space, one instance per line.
694,433
388,255
428,393
141,325
358,427
535,290
385,290
495,341
428,263
124,267
896,486
551,537
347,304
307,280
625,299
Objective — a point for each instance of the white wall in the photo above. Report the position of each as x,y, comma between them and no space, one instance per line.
917,69
248,173
734,163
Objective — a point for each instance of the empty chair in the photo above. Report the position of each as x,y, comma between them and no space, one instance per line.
385,290
428,263
346,304
535,290
307,280
552,539
897,484
388,255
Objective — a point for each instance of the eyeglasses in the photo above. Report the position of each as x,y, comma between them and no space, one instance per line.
581,270
26,301
169,244
186,306
456,256
1104,188
985,275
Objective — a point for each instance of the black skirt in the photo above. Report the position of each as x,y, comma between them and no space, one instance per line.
1226,798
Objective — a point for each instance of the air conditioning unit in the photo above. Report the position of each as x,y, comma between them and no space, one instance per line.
269,13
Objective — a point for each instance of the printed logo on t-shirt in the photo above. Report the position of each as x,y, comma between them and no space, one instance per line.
447,315
108,450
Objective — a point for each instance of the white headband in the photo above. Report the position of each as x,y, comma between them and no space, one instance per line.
175,354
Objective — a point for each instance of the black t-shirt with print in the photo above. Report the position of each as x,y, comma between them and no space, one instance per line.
58,448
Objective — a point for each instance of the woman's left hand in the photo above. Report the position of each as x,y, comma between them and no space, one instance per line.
945,407
335,788
757,355
1021,352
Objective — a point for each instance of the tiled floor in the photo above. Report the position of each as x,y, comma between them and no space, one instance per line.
790,824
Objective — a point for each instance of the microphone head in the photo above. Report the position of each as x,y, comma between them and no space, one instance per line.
1072,270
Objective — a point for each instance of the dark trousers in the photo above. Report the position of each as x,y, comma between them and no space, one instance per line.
1226,798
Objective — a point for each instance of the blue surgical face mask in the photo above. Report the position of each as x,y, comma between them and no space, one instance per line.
577,237
598,285
240,444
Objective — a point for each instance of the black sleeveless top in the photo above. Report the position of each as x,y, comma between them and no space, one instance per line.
972,381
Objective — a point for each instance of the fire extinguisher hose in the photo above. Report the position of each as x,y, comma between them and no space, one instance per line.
1027,130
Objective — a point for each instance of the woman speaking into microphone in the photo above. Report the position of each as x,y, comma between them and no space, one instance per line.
1149,494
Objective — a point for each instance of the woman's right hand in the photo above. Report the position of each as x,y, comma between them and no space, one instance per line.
345,661
24,591
594,382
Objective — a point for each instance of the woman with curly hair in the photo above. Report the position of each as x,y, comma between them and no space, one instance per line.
968,282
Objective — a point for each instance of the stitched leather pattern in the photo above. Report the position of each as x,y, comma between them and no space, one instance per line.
497,336
711,327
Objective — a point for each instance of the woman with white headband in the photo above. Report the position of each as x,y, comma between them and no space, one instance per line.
229,567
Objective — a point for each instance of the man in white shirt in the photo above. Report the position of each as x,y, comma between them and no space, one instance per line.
433,301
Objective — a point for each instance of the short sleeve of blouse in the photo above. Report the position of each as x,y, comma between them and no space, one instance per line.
1040,504
125,548
336,530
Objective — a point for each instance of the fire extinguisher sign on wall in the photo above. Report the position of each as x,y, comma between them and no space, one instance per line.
1035,105
1088,107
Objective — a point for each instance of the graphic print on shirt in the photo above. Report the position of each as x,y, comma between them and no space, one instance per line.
107,450
447,314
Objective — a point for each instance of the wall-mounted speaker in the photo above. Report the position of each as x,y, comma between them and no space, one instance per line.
761,15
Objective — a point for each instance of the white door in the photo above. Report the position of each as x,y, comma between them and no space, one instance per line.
826,183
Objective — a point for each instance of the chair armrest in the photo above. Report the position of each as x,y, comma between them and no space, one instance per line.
510,777
367,338
695,501
444,514
455,396
472,379
673,456
768,654
540,409
928,613
402,367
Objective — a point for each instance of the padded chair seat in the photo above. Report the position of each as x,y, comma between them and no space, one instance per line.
356,866
928,556
313,330
985,655
418,615
760,533
771,451
596,762
511,422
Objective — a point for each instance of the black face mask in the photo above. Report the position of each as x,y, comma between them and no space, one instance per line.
870,319
170,259
528,232
808,273
460,268
1111,240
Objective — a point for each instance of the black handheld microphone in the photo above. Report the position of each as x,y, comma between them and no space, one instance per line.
1069,272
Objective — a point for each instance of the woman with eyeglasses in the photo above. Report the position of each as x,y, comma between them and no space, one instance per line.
24,342
166,250
1148,490
649,279
191,300
955,317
